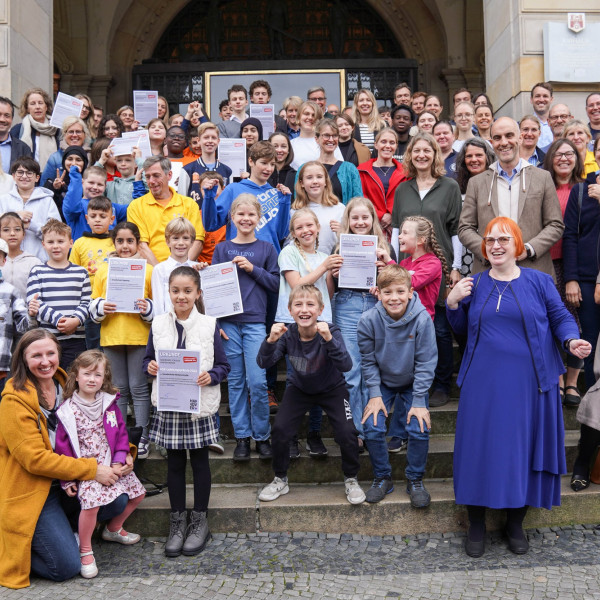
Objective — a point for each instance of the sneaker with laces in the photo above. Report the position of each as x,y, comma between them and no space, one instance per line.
419,496
315,446
143,448
354,492
273,403
276,488
217,446
380,487
294,447
397,444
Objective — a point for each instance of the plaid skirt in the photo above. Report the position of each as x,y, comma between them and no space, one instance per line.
177,430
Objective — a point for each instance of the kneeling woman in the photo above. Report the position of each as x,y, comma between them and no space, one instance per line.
35,534
509,448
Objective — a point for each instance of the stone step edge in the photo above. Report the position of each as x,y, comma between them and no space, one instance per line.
324,508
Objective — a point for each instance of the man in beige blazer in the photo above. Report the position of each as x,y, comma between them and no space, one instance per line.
513,188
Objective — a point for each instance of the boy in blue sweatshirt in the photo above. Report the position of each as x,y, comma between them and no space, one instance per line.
79,193
398,354
274,202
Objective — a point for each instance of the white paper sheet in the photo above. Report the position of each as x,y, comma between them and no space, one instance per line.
125,283
145,106
221,290
141,140
265,113
178,388
65,106
176,168
360,255
232,152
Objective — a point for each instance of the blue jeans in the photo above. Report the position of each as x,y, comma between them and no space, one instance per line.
242,349
443,337
349,307
418,442
589,317
129,377
397,427
92,335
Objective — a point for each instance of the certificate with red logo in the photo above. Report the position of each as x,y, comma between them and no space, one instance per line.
178,388
265,113
221,290
360,255
126,283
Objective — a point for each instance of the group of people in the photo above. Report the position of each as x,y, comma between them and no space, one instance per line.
486,233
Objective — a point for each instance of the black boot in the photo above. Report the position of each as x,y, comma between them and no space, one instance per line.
242,450
475,543
176,534
517,540
197,534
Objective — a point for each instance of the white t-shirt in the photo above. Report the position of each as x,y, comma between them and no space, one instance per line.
325,214
290,259
306,149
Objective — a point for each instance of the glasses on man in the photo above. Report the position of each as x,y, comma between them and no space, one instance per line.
568,154
24,174
558,117
503,240
329,136
176,137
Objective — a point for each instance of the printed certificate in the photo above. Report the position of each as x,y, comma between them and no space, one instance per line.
65,106
360,255
178,388
221,290
232,152
145,106
265,113
125,283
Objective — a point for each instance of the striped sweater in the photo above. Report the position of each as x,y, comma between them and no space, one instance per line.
13,319
62,293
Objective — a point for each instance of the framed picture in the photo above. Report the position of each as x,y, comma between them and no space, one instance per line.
283,84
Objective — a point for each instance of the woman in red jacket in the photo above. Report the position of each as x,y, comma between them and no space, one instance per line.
381,176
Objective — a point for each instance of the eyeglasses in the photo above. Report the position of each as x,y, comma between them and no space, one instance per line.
568,154
176,137
24,174
329,136
503,240
76,132
464,115
557,117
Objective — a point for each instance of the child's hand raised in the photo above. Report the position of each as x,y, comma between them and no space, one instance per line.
141,304
422,415
284,189
204,379
333,261
34,306
243,263
209,184
136,152
383,257
200,265
277,331
139,174
106,155
60,179
135,126
323,330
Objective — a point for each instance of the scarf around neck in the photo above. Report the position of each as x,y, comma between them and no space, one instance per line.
46,141
92,410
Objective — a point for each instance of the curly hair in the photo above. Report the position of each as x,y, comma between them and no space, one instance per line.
424,229
462,173
43,93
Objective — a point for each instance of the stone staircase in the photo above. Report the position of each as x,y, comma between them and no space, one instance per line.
317,502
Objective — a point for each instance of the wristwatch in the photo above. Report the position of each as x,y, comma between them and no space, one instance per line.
530,251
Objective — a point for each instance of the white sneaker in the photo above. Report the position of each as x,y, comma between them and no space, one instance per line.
217,447
276,488
88,571
354,492
143,448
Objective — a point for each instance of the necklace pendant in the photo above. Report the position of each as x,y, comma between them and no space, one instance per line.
498,305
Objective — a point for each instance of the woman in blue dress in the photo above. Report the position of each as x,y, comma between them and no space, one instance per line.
509,448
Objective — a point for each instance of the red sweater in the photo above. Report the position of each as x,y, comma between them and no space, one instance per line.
562,191
426,278
373,188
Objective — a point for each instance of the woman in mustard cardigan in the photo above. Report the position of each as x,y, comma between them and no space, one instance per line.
35,535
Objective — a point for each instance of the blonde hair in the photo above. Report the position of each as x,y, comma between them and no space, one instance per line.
205,126
391,274
573,124
303,212
179,226
314,106
424,229
437,166
245,200
374,121
87,359
302,200
375,228
306,289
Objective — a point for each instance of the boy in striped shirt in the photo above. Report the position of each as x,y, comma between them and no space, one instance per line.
58,292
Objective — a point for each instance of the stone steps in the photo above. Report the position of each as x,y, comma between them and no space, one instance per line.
323,508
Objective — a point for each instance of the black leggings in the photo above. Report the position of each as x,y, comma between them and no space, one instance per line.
176,461
588,442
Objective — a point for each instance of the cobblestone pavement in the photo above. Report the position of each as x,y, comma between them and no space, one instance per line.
562,563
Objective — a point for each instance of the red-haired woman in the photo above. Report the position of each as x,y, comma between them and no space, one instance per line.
509,448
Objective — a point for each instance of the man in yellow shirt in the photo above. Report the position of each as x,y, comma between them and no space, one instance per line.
153,211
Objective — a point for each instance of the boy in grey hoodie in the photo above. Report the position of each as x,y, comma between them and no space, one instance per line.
398,352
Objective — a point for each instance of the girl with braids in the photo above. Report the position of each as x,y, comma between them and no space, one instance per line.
360,218
314,191
300,262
